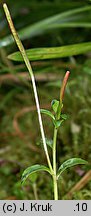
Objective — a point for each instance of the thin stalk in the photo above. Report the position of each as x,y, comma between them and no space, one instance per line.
54,165
28,65
35,191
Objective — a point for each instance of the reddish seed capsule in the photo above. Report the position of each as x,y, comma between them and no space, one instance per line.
64,85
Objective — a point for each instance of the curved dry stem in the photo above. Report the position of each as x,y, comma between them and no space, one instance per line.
28,65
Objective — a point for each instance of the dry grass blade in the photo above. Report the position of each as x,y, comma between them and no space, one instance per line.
24,75
85,179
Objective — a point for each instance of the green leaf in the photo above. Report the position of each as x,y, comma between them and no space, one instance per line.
53,52
32,169
55,104
49,142
33,177
64,116
69,163
47,112
70,18
57,123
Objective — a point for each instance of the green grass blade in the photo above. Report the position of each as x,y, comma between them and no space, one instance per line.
53,53
64,19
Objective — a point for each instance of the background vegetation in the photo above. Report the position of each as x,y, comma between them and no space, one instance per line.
45,23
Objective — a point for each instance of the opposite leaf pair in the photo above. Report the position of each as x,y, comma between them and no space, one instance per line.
57,118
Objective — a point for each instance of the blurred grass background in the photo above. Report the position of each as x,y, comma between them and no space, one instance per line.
20,140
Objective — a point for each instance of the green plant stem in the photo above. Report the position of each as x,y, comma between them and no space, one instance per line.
28,65
35,191
54,165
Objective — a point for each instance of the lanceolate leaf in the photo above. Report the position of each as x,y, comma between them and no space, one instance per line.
64,116
49,142
55,104
32,169
47,112
71,18
69,163
33,177
53,52
57,123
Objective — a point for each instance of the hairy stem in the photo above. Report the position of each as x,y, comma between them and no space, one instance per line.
28,65
54,165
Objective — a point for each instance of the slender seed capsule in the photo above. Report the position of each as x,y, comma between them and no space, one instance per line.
64,85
